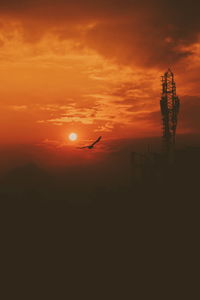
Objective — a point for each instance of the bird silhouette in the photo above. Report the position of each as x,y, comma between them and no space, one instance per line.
92,145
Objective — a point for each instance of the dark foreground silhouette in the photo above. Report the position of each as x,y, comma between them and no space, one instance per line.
119,232
95,187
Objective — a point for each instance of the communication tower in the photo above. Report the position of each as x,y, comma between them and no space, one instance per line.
169,105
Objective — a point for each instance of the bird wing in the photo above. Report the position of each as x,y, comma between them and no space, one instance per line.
96,141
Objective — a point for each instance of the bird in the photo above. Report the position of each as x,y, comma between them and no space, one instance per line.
92,145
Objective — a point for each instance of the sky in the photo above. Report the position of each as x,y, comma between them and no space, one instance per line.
94,68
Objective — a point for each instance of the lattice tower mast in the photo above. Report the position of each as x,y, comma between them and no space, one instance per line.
169,105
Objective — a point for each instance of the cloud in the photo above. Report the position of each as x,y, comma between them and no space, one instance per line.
107,127
97,64
18,107
146,33
66,119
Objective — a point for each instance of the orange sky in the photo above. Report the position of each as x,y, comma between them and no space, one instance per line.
94,69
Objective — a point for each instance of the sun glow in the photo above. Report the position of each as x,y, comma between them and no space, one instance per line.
73,136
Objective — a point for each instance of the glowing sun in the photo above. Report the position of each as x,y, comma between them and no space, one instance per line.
73,136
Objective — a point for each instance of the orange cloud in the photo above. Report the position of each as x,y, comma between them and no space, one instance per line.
93,66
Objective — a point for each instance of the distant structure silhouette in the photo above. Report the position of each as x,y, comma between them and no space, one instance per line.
153,168
169,105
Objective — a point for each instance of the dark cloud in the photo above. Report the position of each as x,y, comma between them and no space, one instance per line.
152,36
147,33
